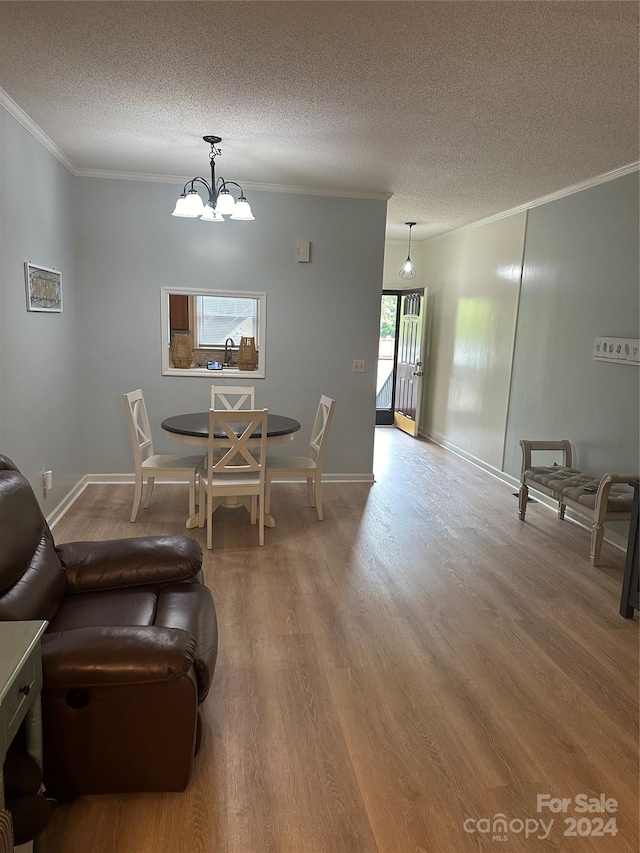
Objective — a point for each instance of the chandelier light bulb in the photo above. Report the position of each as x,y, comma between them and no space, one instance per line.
242,210
210,215
193,205
179,208
226,203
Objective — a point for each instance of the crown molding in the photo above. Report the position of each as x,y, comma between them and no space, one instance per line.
248,185
19,114
545,199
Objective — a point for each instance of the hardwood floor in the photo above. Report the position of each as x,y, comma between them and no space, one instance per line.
419,659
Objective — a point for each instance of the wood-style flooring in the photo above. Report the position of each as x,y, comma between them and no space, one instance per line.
419,659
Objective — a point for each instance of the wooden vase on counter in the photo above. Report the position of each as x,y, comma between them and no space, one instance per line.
247,354
181,351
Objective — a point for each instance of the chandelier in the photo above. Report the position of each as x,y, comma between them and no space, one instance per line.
408,270
220,202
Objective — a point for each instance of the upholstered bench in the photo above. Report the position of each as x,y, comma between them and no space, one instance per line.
598,499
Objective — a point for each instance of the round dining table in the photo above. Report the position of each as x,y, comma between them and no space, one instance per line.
193,428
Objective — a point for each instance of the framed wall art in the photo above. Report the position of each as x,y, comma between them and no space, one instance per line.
44,288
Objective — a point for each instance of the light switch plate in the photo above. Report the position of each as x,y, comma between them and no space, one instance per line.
304,251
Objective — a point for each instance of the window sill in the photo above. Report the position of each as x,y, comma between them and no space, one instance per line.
212,374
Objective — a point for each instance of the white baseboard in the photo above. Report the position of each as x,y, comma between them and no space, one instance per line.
436,438
610,536
72,496
67,502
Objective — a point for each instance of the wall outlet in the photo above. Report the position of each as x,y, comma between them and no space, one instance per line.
47,480
358,365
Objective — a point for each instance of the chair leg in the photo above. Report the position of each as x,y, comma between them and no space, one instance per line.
149,492
523,496
254,508
202,503
267,494
597,535
209,522
261,509
311,491
192,494
137,497
318,491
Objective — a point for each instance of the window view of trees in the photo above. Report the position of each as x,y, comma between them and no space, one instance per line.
386,347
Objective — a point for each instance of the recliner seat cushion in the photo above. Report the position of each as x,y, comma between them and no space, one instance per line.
135,606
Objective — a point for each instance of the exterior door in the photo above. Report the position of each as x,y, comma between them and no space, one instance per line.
410,361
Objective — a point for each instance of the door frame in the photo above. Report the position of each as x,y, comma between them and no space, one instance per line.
384,417
401,421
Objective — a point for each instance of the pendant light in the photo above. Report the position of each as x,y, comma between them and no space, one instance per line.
407,270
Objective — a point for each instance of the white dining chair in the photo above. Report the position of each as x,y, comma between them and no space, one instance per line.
305,467
148,465
232,397
233,467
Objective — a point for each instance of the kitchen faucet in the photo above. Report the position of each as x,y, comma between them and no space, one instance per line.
228,354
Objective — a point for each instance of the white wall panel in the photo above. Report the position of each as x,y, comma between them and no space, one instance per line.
473,277
580,280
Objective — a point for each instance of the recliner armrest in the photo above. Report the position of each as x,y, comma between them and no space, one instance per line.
109,655
129,562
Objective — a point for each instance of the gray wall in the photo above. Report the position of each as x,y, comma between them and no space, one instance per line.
320,316
580,280
40,414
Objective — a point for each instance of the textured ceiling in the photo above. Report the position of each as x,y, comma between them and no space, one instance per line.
460,109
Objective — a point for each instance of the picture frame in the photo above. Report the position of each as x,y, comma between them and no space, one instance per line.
43,288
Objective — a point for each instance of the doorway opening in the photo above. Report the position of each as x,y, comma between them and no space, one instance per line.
387,356
400,359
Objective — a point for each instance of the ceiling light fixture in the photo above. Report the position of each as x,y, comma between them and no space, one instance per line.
407,270
220,202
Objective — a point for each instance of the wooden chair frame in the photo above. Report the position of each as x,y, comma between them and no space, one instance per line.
306,467
147,464
233,467
220,394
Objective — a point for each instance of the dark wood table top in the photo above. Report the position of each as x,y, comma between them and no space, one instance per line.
197,425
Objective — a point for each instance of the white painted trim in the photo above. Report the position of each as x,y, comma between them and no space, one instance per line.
20,115
168,370
545,199
180,180
610,536
67,502
58,512
337,478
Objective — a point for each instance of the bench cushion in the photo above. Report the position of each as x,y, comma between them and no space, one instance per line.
619,499
557,477
571,483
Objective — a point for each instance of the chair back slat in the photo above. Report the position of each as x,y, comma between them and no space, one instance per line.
139,426
231,398
321,427
233,454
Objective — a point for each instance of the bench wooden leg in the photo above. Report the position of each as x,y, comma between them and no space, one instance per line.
597,535
523,496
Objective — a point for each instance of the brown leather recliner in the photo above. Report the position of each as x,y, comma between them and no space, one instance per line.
128,655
